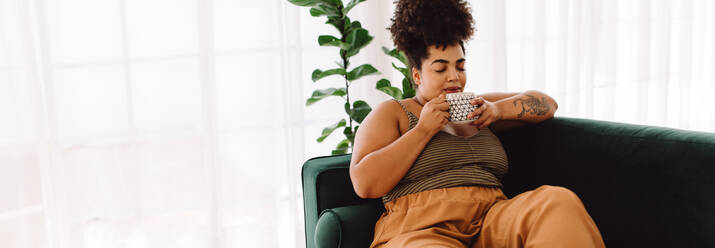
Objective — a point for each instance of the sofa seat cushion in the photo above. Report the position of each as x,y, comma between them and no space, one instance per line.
347,226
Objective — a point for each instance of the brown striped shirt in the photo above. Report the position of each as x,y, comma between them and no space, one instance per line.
453,161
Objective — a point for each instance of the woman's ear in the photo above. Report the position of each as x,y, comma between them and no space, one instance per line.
416,76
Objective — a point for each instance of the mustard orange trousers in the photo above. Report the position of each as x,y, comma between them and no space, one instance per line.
475,216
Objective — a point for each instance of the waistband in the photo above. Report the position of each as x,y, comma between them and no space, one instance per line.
462,193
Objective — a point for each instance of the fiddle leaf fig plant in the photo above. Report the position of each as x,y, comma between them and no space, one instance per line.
385,86
351,40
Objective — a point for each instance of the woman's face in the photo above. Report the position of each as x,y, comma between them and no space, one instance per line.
442,71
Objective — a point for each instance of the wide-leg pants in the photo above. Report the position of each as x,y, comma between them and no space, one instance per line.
475,216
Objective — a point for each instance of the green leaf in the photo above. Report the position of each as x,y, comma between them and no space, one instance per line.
347,131
315,12
329,40
344,144
360,71
329,130
323,9
350,5
357,39
322,39
349,134
341,23
336,3
348,110
407,89
385,86
304,3
342,147
403,58
312,3
335,22
399,55
360,110
405,72
383,83
353,26
346,25
339,151
389,52
320,94
318,74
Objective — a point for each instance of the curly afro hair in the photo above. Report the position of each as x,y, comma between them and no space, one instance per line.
418,24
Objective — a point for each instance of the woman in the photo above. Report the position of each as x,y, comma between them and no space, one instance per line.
441,183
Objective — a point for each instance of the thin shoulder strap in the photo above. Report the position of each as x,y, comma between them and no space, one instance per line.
410,116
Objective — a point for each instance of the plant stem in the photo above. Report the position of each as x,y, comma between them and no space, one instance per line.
347,93
343,55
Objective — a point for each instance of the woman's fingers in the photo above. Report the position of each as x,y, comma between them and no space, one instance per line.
478,111
443,106
486,117
483,121
477,101
445,114
441,98
444,120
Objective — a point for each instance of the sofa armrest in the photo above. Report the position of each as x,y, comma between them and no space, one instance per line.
327,185
349,226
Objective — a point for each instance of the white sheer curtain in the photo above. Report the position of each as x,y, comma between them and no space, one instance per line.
642,61
648,62
162,123
181,123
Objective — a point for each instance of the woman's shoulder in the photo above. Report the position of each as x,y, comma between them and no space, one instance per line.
388,109
381,127
401,106
388,113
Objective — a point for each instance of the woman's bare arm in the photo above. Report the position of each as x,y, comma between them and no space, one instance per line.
518,109
381,157
529,106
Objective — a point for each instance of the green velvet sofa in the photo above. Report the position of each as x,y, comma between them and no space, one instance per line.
644,186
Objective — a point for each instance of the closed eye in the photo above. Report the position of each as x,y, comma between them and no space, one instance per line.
460,64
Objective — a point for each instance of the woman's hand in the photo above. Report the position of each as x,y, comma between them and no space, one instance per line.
434,115
488,113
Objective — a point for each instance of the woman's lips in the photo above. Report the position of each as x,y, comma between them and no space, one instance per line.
452,90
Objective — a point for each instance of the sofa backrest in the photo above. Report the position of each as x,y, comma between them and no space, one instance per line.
644,186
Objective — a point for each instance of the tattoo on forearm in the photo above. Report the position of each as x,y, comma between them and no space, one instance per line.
532,105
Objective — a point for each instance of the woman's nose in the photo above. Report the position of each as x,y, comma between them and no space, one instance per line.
453,75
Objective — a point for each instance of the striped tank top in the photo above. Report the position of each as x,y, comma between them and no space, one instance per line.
452,161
